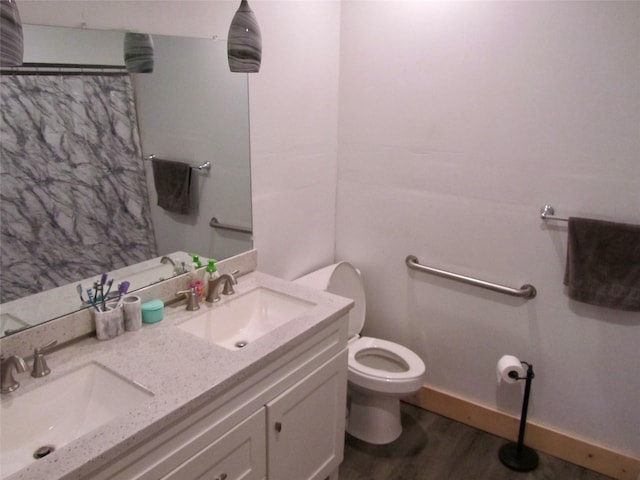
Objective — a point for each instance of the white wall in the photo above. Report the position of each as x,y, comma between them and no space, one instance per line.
458,121
193,18
294,120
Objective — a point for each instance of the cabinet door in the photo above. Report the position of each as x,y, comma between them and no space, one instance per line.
240,454
305,425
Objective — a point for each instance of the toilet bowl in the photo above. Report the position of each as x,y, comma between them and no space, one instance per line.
379,372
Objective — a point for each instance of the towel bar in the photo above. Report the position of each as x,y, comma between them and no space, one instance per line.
526,291
214,223
205,166
547,213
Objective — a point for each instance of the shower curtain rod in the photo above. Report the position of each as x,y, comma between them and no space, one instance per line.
60,69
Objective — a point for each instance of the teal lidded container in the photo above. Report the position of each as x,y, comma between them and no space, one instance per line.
152,311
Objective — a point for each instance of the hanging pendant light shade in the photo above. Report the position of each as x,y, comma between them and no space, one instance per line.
244,44
138,52
11,39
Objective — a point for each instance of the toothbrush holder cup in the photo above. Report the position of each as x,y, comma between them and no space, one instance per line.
110,323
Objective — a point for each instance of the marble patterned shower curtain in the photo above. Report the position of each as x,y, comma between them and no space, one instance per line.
74,200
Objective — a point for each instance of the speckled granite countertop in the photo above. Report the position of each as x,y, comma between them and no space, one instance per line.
182,370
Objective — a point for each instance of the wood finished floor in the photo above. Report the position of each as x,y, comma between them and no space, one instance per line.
432,447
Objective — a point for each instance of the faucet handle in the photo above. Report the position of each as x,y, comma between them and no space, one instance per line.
192,298
227,289
40,367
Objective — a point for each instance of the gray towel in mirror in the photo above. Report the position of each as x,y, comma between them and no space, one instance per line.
603,263
173,185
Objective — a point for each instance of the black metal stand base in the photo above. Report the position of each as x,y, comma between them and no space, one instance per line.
526,461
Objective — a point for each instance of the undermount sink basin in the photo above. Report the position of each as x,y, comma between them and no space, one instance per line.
49,417
246,318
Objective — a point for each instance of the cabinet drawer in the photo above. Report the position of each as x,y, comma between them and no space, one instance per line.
240,454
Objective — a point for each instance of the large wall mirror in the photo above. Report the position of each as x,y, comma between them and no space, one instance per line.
78,192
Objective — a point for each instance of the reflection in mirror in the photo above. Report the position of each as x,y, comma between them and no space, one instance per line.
25,312
77,197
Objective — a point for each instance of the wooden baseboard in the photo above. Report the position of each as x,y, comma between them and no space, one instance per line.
541,438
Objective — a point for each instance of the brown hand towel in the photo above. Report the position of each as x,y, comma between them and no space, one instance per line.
603,263
173,185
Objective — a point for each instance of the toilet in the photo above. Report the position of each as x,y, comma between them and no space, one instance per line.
380,372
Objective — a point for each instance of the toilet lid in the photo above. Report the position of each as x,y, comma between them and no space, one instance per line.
346,282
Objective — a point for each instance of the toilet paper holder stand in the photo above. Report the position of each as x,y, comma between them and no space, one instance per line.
517,456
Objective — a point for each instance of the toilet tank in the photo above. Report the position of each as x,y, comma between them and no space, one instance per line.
341,279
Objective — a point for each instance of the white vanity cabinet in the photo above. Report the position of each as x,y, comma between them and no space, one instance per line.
284,422
305,425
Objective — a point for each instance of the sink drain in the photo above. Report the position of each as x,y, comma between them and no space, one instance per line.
43,452
241,344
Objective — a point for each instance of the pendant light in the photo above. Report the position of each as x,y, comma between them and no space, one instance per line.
244,44
11,39
138,52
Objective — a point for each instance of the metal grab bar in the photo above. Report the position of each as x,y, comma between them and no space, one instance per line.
526,291
214,223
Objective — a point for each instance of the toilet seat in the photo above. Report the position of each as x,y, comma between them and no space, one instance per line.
388,353
377,378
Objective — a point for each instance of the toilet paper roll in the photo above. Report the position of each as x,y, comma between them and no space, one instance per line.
506,365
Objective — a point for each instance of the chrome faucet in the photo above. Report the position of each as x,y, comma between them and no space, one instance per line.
10,384
192,298
227,280
177,269
166,260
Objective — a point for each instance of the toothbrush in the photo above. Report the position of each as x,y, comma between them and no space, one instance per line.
122,289
109,284
93,303
103,280
96,291
79,288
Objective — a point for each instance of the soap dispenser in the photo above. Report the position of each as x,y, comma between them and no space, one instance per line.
196,260
213,274
192,266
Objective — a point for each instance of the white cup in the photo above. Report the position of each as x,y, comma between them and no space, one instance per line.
132,313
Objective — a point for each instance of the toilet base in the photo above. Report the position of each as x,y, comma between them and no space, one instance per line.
374,418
